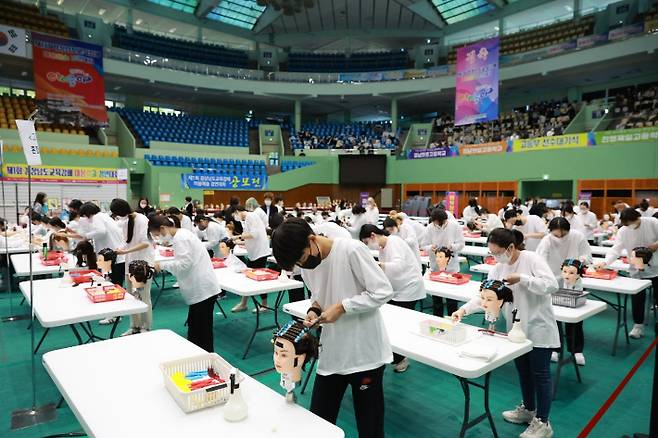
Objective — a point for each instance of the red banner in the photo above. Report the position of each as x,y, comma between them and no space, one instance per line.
68,77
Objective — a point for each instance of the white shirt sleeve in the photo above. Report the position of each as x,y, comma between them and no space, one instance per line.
182,261
542,281
617,248
378,289
458,241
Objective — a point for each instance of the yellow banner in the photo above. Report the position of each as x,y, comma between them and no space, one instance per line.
61,174
553,142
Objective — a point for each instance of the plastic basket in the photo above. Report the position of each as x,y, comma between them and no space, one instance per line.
601,274
570,298
451,278
261,274
53,255
218,263
167,252
102,294
84,276
444,331
200,398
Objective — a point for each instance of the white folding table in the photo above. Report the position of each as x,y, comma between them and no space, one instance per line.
115,389
239,284
475,240
619,286
56,306
403,327
21,263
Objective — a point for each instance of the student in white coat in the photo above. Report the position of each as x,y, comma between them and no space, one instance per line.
254,237
574,220
645,209
532,227
196,277
442,232
137,246
402,218
487,222
404,232
331,230
637,232
560,244
372,211
347,289
402,270
185,221
212,232
589,220
359,219
532,284
471,211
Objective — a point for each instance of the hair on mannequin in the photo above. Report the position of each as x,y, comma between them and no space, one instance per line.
140,271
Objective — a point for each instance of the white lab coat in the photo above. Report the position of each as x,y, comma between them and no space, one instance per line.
648,213
186,223
451,237
331,230
214,234
372,215
532,298
492,223
402,269
357,222
263,217
556,250
258,246
358,340
104,232
140,235
534,224
590,222
576,223
469,214
629,238
408,234
417,226
192,268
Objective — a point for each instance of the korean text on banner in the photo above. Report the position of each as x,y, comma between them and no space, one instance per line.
626,135
29,140
477,82
222,182
496,147
452,202
12,41
61,174
438,152
68,77
554,142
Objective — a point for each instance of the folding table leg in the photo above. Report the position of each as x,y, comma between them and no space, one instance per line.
76,333
41,340
467,423
253,334
220,308
277,303
114,327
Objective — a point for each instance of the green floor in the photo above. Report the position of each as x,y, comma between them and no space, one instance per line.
423,402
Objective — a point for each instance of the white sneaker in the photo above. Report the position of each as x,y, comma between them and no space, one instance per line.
401,366
130,331
108,321
239,308
580,359
262,310
175,285
519,415
555,356
637,332
538,429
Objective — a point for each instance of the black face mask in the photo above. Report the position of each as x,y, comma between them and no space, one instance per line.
312,261
518,222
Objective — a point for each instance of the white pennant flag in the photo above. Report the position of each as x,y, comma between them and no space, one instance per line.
29,140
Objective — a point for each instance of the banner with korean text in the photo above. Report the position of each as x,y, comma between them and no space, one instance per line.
569,141
496,147
476,97
222,182
61,174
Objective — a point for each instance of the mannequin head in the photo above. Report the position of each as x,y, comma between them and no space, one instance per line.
105,259
493,294
294,346
442,256
85,255
640,257
225,247
139,272
572,270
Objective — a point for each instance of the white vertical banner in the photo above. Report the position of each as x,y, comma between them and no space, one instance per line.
29,140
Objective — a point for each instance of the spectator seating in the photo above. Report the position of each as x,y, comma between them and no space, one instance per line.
344,135
208,165
526,41
203,130
287,165
28,17
339,62
16,148
20,107
179,49
636,107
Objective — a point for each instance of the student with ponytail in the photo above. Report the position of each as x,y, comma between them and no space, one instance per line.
196,278
137,246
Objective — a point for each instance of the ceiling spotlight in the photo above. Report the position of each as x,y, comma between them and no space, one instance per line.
102,11
139,21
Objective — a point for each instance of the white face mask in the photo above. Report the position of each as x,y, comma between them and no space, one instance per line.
373,244
268,202
503,258
165,240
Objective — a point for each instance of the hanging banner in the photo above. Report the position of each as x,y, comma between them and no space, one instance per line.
622,33
12,41
438,152
554,142
29,141
496,147
476,97
451,202
61,174
68,76
627,135
222,182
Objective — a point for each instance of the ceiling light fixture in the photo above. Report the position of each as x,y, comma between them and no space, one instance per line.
102,11
139,21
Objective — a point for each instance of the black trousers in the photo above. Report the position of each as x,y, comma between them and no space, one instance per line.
575,336
200,323
296,294
437,306
258,263
639,300
367,392
397,358
118,274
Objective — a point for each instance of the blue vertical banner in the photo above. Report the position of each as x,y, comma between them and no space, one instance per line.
476,96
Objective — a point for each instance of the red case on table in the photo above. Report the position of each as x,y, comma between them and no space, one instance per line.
602,274
167,252
84,276
217,263
423,253
474,235
490,260
261,274
53,255
53,262
453,278
101,294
